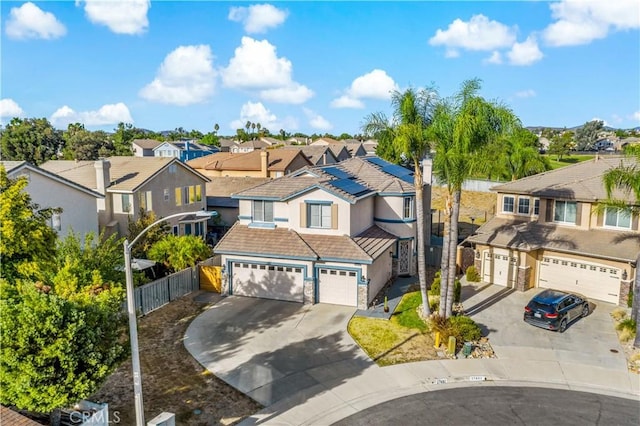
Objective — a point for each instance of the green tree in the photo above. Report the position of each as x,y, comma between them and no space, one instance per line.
178,253
124,135
82,144
216,127
30,139
407,133
259,127
242,135
152,236
377,126
463,126
587,135
561,145
210,139
27,239
517,156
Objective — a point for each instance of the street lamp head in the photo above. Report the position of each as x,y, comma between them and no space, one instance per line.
205,213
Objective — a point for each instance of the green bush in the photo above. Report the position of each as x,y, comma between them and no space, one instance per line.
435,288
472,274
626,324
630,298
464,328
457,291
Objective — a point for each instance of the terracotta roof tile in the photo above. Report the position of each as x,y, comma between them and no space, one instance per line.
12,418
241,239
225,186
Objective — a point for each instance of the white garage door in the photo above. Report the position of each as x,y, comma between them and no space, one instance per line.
593,280
499,267
337,287
267,281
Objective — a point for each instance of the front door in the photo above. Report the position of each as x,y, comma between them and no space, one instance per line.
404,258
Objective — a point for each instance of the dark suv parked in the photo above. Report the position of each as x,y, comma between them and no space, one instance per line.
555,310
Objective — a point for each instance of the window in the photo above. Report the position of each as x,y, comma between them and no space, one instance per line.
617,219
145,201
173,168
185,195
408,208
192,194
536,206
56,222
126,202
320,215
187,229
262,211
166,194
565,211
523,205
178,196
507,204
198,193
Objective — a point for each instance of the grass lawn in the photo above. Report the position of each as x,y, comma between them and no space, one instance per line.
567,160
404,338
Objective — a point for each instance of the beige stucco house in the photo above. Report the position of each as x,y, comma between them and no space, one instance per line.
333,234
271,163
548,232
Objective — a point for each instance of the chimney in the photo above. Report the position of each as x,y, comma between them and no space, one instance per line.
427,168
264,163
103,177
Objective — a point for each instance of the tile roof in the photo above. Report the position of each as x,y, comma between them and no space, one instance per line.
225,186
13,418
281,242
11,166
313,152
147,143
528,236
581,182
126,173
279,160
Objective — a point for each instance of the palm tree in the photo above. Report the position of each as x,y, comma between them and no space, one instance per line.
253,130
626,177
216,128
462,127
517,156
259,126
407,133
247,126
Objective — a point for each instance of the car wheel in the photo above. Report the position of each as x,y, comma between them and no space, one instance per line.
585,310
563,326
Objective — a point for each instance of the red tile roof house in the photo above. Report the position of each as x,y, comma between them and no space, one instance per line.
548,233
334,234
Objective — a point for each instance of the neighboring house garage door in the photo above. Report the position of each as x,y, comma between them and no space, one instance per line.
267,281
590,279
499,267
337,287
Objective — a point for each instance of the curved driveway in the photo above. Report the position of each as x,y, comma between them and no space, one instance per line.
301,364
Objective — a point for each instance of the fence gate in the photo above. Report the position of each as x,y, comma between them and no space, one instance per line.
211,278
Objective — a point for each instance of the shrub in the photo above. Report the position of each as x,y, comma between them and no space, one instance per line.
472,274
457,291
630,298
626,335
627,324
465,328
435,288
618,314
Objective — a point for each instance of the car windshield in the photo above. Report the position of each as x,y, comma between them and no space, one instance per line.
537,306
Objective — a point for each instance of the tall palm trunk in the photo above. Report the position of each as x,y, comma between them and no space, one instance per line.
422,272
444,264
453,250
635,308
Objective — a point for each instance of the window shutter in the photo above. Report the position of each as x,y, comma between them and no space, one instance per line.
303,215
334,216
549,211
578,213
600,219
634,224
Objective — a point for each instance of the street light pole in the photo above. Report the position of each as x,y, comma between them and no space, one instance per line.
133,320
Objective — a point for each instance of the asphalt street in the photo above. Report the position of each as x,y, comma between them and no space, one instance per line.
500,406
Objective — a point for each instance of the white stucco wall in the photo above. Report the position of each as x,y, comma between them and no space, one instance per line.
362,215
379,272
389,209
344,213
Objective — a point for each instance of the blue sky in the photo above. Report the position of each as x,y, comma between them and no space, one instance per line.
312,67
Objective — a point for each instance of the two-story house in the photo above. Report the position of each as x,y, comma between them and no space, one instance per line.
48,190
185,150
550,232
318,155
333,234
144,147
271,163
162,185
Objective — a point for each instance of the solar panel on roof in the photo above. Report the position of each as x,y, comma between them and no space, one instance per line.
378,161
349,186
397,171
334,171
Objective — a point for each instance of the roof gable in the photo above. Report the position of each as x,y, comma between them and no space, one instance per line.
18,166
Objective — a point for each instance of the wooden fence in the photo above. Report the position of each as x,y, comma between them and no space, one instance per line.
158,293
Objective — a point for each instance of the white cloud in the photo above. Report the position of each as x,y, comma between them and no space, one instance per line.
186,76
479,33
121,17
374,85
636,116
107,114
495,58
529,93
29,21
258,18
604,122
525,53
10,108
256,112
256,66
451,53
317,121
580,22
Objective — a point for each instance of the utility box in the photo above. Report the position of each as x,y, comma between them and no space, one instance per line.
163,419
466,349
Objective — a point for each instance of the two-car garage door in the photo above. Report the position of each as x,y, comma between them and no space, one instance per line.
592,280
268,281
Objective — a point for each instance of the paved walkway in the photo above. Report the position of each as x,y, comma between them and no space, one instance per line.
309,374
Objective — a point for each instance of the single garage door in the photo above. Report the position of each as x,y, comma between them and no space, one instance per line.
267,281
499,267
337,287
593,280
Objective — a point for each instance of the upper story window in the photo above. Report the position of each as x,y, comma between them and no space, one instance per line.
126,202
320,215
166,194
524,205
565,211
617,219
536,206
508,203
178,196
262,211
407,209
56,222
146,200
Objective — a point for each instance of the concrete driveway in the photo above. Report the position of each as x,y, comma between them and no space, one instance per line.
271,350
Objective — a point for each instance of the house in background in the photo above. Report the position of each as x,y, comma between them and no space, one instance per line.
162,185
185,150
144,147
270,163
334,234
249,146
227,145
319,155
549,233
48,190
